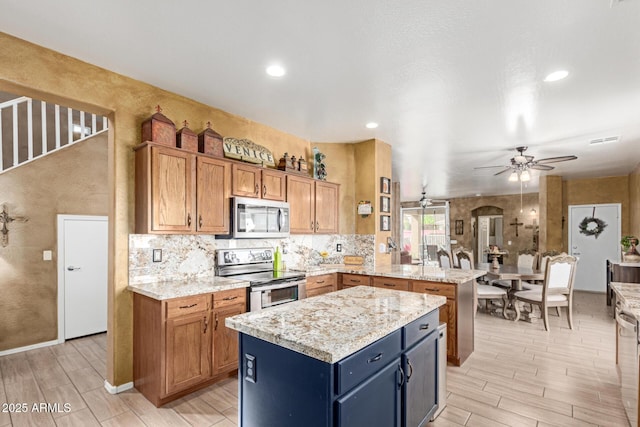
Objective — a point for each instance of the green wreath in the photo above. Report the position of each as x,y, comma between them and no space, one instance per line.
600,225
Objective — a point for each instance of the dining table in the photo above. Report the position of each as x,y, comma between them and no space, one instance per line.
515,274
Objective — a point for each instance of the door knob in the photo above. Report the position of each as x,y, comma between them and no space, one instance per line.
72,268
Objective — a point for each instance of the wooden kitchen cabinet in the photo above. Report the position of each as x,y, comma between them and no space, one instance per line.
178,192
318,285
391,283
251,181
314,205
181,345
457,313
350,280
188,354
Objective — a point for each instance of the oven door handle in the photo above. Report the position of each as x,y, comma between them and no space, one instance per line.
278,286
626,320
280,219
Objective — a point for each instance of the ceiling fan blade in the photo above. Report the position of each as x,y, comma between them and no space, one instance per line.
506,169
541,167
491,167
555,159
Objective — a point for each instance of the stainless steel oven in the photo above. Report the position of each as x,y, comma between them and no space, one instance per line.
268,287
628,343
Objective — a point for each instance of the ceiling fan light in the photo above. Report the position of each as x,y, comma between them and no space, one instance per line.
513,177
524,176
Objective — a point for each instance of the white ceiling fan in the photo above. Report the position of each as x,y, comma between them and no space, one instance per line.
426,201
521,163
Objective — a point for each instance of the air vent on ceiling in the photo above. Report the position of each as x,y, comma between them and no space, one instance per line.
607,140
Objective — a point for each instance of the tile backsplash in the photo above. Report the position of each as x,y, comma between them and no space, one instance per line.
190,256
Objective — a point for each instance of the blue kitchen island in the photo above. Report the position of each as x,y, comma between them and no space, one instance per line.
362,356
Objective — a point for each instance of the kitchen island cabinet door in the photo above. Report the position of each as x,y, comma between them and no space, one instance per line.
188,360
420,389
213,181
301,197
247,181
164,190
326,208
375,402
225,340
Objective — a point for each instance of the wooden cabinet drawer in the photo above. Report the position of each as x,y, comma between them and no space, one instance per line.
355,280
187,305
319,291
230,297
362,364
443,289
391,283
314,282
420,328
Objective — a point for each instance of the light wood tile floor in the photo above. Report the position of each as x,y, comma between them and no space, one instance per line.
519,375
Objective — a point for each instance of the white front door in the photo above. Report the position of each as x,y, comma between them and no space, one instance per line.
82,264
593,251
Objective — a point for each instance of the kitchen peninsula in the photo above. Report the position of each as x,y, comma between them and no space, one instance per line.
360,356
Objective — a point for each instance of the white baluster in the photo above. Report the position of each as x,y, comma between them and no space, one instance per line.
1,159
94,129
15,134
70,125
44,126
82,130
30,129
104,122
57,108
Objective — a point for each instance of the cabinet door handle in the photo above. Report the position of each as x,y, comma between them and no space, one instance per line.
389,284
319,281
264,190
206,324
354,280
317,226
189,220
215,328
199,221
257,189
311,225
188,306
424,326
410,369
229,298
375,359
401,376
430,290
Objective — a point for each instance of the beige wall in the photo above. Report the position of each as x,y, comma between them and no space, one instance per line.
461,209
70,181
551,213
634,202
44,74
613,189
383,169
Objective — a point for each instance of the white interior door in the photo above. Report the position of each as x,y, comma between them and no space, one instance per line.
591,251
82,265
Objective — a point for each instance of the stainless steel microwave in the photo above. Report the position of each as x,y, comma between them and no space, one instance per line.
258,218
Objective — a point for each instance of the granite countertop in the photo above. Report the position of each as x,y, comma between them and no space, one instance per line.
168,289
628,294
332,326
402,271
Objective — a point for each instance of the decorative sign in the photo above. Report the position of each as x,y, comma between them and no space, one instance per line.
247,151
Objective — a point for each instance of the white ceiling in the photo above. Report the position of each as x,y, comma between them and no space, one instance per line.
453,84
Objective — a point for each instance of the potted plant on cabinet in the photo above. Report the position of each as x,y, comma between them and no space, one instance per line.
629,251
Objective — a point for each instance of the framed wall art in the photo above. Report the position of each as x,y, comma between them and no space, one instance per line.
385,204
385,223
385,185
459,227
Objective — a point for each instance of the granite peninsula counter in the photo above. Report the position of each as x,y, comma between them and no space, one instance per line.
628,295
168,289
359,356
401,271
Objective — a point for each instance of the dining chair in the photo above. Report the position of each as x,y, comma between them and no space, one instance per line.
444,257
556,290
480,291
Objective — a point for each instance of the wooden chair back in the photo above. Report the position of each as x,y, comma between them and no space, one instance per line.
527,260
444,258
559,275
465,260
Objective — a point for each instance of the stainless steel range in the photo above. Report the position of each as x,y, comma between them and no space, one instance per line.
268,287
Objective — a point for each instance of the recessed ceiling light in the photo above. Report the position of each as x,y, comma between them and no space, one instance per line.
371,125
556,75
276,70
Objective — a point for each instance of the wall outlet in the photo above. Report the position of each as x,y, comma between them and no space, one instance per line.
157,255
250,367
339,247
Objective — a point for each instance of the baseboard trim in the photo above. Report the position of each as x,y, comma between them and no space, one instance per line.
119,388
28,347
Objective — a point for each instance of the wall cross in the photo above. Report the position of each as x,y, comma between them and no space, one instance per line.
6,219
516,223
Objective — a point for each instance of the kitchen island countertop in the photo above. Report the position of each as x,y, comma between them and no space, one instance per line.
332,326
401,271
628,294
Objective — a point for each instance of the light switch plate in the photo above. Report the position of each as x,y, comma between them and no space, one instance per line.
157,255
47,255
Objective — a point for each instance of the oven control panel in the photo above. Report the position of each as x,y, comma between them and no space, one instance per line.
244,256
